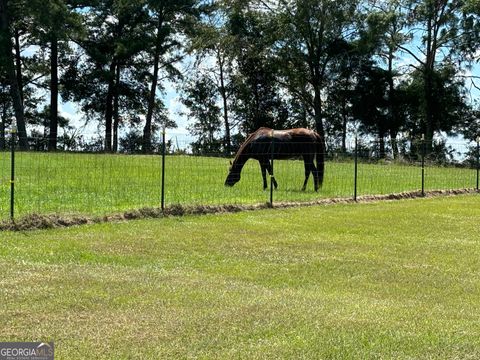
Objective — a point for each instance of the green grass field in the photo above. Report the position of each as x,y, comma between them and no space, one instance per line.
389,280
96,184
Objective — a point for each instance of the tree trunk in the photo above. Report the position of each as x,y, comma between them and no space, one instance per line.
18,63
147,130
304,114
392,105
223,93
317,108
53,126
116,115
393,143
344,126
429,118
427,82
6,56
257,120
3,140
109,107
381,144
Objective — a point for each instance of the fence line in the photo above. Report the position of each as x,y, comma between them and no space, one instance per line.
99,184
478,163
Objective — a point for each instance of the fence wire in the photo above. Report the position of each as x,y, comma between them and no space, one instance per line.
5,161
97,184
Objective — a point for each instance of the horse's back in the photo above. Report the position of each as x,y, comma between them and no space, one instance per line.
284,143
285,135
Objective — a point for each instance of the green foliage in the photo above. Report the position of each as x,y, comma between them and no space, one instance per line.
132,143
450,107
256,100
200,98
115,35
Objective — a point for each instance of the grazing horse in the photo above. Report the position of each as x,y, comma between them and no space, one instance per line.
286,144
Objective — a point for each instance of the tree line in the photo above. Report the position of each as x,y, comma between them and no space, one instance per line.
395,70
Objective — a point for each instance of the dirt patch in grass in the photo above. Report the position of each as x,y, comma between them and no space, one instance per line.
36,221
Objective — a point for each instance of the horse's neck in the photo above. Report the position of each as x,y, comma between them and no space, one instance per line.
240,161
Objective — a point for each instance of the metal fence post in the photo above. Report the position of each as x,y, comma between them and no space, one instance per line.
355,177
423,145
478,160
163,169
271,162
12,174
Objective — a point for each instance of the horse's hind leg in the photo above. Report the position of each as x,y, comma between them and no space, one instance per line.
307,174
316,181
263,168
309,168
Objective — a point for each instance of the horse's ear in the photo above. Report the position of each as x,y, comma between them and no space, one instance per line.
231,163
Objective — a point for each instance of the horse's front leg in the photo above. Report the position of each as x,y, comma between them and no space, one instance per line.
270,171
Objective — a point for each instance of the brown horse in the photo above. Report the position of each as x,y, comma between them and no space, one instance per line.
286,144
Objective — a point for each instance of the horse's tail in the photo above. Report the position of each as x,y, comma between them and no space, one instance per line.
320,157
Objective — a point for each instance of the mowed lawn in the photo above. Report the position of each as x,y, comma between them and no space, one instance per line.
386,280
99,184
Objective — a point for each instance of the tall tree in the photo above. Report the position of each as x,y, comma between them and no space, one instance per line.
387,23
112,46
7,63
212,48
172,20
450,108
257,101
370,103
468,43
200,98
5,111
55,22
433,28
310,31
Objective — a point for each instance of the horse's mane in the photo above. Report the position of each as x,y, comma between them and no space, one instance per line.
245,143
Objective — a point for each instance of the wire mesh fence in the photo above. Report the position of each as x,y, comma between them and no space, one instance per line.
96,184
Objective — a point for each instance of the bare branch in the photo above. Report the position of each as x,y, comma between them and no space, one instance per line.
410,52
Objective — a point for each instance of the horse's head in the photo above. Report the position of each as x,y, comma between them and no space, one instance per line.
233,176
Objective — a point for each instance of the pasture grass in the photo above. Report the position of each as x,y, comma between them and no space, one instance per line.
389,280
98,184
